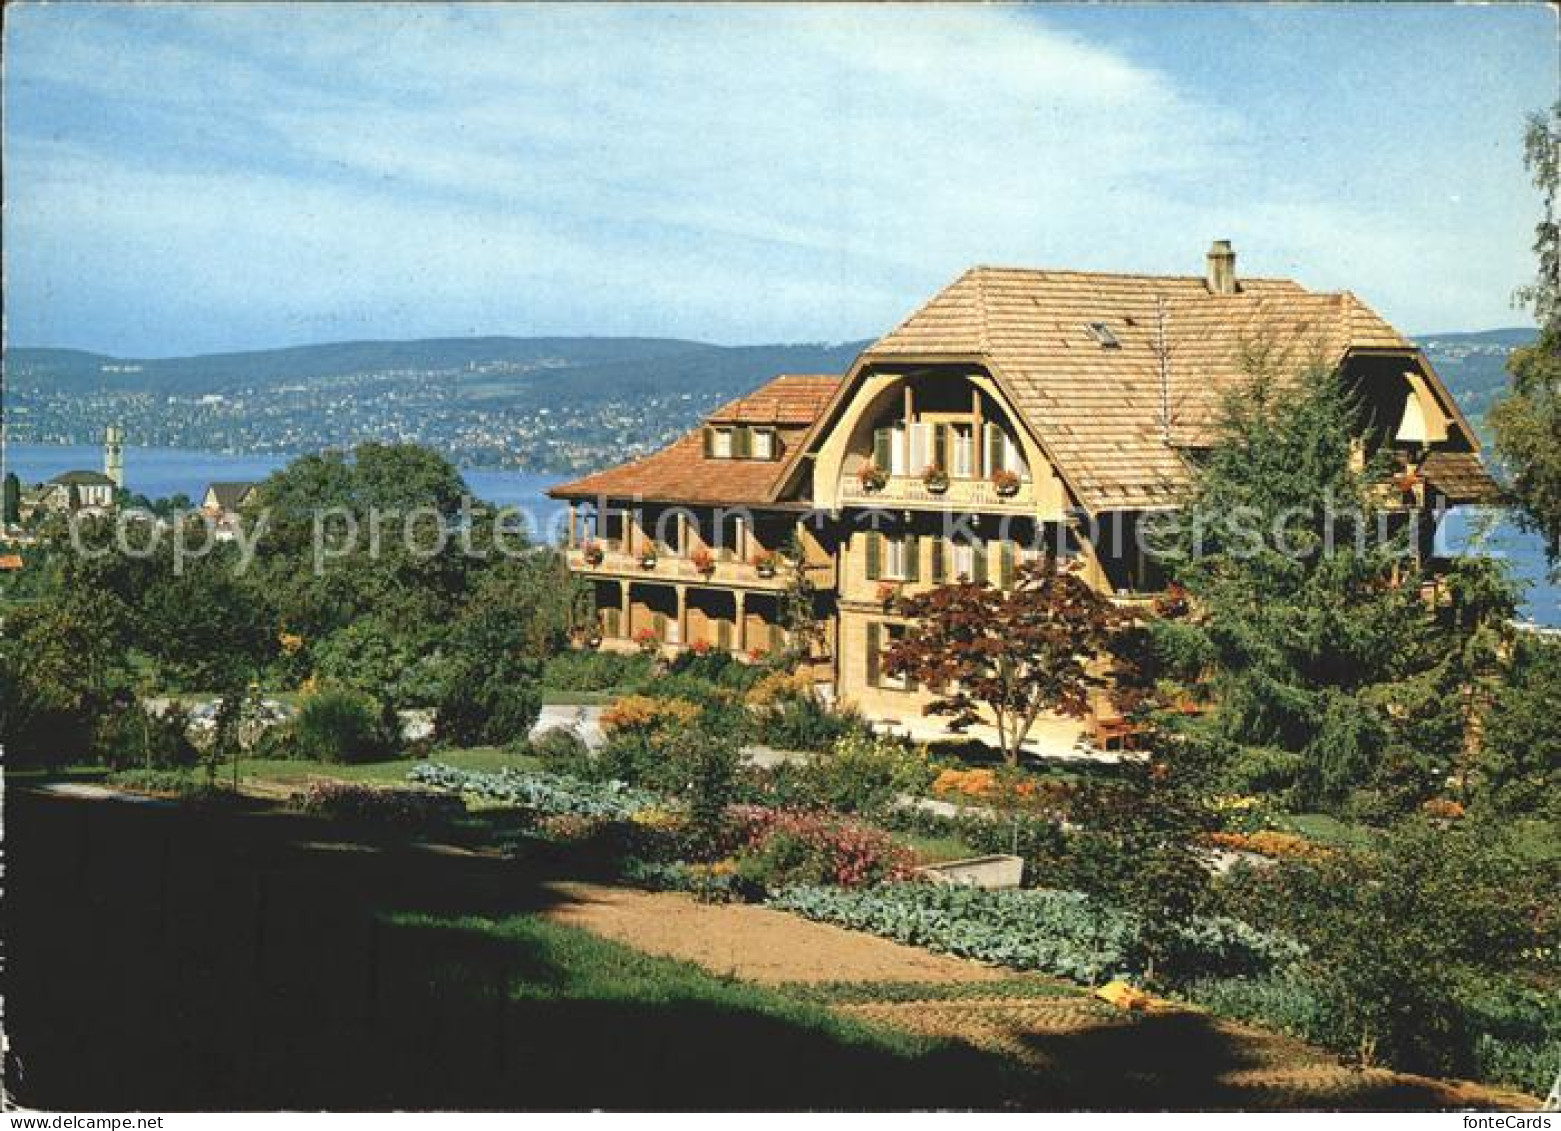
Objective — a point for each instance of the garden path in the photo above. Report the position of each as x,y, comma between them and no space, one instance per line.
1168,1058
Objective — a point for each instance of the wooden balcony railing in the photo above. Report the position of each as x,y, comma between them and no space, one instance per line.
962,494
677,569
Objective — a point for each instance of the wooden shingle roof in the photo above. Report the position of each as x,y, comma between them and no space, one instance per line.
1460,476
681,473
1100,410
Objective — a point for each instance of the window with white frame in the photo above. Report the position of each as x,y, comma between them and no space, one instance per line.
964,560
962,452
721,443
763,446
897,558
897,451
920,442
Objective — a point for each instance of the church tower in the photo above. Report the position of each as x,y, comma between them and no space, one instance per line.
114,455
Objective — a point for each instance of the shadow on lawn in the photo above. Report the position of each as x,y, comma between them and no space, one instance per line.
162,958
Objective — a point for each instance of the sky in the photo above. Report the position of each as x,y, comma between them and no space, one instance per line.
192,178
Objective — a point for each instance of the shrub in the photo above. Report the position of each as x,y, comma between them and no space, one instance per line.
865,773
807,723
336,725
595,671
784,847
486,710
1394,932
561,751
648,716
404,809
179,783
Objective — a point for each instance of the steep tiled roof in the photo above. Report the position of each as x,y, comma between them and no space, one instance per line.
231,495
1100,410
792,398
681,473
1460,476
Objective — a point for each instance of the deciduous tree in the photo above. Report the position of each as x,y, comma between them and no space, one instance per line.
1016,652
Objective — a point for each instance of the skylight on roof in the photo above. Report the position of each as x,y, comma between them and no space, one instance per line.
1102,334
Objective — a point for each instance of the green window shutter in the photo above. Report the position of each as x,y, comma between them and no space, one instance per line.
777,638
1005,564
709,443
912,557
874,555
883,439
723,634
940,568
742,442
610,622
874,653
660,625
940,446
978,562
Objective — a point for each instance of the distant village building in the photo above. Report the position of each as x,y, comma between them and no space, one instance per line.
70,491
91,492
225,500
1046,409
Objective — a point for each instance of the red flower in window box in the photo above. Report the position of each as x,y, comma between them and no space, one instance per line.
703,561
1005,482
935,479
593,553
872,477
648,557
764,563
647,640
700,647
757,655
887,592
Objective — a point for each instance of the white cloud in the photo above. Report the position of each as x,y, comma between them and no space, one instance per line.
721,171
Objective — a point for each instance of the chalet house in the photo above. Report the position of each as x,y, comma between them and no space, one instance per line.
1018,411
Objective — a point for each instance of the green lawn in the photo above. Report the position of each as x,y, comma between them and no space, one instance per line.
291,772
936,849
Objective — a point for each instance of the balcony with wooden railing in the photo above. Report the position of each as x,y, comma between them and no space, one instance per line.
961,494
677,569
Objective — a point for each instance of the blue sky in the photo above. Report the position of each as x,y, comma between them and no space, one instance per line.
190,178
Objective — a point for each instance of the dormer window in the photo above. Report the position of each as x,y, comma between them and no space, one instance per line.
741,442
1102,334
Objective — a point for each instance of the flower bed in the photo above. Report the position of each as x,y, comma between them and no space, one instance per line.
549,794
395,808
1055,932
788,846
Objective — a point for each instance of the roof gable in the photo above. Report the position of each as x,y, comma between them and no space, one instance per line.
1116,374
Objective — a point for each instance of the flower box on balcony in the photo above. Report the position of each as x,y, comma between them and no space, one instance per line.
872,477
648,559
1005,482
935,479
764,564
593,553
703,561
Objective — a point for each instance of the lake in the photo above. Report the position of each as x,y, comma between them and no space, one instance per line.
160,472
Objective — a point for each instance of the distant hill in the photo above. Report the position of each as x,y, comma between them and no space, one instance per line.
1474,365
554,404
547,404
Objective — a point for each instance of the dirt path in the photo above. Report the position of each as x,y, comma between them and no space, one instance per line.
1081,1052
753,943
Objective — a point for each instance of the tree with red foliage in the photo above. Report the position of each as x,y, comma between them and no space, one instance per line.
1017,652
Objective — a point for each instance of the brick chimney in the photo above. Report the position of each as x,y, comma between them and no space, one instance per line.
1222,269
